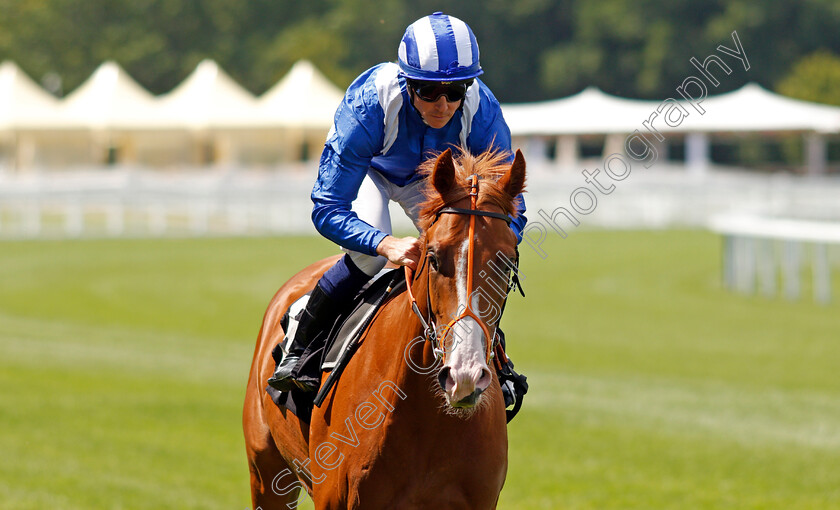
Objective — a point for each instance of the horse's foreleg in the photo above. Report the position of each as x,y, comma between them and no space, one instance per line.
273,485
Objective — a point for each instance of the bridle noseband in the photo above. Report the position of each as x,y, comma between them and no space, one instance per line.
429,327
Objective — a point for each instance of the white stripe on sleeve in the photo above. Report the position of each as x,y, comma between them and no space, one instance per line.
391,101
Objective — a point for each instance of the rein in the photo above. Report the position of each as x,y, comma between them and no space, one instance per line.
429,327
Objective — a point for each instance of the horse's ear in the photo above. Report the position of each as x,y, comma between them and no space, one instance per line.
513,182
443,175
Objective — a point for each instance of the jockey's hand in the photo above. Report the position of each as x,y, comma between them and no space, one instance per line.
404,251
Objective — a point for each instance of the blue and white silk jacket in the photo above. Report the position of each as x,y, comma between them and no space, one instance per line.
376,127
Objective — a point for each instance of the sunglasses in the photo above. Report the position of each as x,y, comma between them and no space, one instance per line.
431,91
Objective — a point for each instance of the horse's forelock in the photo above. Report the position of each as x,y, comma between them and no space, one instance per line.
489,166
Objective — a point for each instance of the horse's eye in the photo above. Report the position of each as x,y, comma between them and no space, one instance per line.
433,260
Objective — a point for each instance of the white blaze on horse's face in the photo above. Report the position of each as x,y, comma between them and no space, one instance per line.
465,375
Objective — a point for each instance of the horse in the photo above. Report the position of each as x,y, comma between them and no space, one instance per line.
417,419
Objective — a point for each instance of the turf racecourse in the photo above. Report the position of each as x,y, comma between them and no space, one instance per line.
123,364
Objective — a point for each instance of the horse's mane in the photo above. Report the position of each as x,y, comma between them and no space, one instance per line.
489,166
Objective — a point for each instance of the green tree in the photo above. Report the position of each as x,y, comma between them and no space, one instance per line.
531,49
814,78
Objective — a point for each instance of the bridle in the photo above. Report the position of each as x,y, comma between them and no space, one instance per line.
429,327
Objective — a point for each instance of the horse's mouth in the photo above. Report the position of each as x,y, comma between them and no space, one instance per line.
456,390
469,401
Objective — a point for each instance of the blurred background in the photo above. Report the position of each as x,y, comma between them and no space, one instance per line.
680,335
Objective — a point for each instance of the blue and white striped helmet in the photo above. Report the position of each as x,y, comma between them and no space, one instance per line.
439,48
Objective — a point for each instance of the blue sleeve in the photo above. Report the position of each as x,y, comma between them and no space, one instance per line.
491,130
352,142
518,223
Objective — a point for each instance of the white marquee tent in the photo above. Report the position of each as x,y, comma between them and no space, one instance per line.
301,106
590,111
208,99
754,108
34,130
750,109
304,98
120,121
24,104
209,118
215,114
111,99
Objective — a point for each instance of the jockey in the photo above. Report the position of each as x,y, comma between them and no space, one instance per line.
391,119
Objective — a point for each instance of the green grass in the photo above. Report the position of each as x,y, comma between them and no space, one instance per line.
123,366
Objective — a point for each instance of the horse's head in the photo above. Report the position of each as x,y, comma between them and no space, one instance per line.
469,253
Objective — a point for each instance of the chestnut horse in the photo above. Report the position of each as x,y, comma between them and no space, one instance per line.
418,418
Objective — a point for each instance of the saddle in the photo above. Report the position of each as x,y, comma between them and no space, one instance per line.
342,341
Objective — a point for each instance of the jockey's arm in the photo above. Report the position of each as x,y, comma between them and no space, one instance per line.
355,138
337,186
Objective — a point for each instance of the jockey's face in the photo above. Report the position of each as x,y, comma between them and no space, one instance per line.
437,113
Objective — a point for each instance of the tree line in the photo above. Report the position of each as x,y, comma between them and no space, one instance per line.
530,49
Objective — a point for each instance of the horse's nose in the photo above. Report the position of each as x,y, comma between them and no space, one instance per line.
463,386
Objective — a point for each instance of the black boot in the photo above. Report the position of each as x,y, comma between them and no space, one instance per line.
318,304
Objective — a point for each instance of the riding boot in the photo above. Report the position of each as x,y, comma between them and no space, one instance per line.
319,305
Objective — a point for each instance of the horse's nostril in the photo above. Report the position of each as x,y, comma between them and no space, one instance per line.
484,381
443,376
